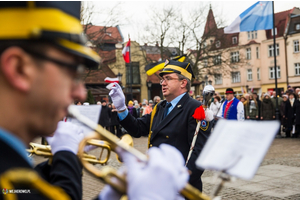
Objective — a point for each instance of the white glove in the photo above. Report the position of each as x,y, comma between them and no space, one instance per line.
66,138
161,178
117,96
209,115
108,193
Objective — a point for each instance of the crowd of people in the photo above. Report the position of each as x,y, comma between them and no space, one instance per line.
263,107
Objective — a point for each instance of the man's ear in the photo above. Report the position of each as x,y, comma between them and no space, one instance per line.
183,83
16,68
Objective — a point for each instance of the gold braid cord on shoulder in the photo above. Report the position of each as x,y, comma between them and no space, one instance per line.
151,121
30,178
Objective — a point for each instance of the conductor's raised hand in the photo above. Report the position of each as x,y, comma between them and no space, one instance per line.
117,96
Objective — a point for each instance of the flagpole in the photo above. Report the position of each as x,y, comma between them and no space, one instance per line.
131,73
275,66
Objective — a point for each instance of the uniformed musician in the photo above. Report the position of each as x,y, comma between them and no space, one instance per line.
171,121
42,54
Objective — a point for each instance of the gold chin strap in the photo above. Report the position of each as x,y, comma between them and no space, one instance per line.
31,179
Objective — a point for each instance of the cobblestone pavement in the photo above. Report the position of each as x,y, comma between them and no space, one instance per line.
277,178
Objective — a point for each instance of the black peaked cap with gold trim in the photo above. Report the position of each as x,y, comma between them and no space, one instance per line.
182,68
54,21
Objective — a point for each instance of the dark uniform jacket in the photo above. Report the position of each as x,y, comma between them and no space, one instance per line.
177,129
64,172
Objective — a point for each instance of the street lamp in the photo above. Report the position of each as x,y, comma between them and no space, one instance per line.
149,85
119,76
206,78
247,87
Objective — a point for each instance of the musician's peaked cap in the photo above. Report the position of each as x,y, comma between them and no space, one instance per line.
182,68
54,21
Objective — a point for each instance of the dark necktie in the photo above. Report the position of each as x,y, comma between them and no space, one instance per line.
166,109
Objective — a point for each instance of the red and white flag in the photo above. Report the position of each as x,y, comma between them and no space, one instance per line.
111,80
126,52
242,89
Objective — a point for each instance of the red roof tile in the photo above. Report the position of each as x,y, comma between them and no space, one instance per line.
210,25
98,76
280,23
107,34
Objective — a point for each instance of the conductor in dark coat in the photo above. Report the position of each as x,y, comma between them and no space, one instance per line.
177,128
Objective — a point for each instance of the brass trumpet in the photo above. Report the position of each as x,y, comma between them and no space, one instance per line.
109,175
45,150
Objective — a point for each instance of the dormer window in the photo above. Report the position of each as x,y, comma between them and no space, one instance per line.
272,30
297,27
234,40
218,44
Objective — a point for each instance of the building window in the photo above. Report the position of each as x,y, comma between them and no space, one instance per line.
297,27
297,68
271,50
272,30
249,74
235,77
135,73
218,79
258,73
272,72
218,44
257,52
234,40
248,53
252,35
235,57
217,60
296,46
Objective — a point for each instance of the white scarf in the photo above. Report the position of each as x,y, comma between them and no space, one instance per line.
292,101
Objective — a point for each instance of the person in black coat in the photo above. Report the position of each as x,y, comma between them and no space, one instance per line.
290,111
105,115
258,104
297,122
282,111
114,122
173,122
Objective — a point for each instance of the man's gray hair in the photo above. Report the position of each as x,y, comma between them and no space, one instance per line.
188,85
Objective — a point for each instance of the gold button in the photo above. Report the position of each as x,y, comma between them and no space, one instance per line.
151,132
150,145
167,136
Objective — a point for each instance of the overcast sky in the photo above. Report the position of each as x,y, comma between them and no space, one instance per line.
137,11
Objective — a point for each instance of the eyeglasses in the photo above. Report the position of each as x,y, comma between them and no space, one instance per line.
74,67
167,79
77,68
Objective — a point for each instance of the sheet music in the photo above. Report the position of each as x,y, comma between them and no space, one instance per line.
238,147
92,112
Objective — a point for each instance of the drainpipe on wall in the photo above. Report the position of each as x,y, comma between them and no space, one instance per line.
286,62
